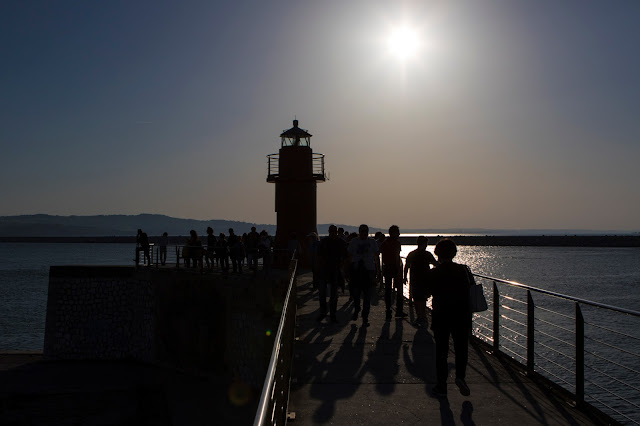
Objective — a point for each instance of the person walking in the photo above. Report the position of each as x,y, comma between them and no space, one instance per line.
418,263
451,316
332,251
391,271
364,269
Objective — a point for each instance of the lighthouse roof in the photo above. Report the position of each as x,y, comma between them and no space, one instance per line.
295,132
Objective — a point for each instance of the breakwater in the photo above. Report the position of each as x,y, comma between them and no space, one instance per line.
463,240
538,241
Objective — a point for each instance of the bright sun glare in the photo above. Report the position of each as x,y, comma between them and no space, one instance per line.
403,43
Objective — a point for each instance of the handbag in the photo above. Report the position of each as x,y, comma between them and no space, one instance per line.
477,302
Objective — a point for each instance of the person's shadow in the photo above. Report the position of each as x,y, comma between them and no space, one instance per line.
335,372
446,415
382,362
467,411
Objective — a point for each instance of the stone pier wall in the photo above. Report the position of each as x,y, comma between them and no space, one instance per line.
99,313
199,323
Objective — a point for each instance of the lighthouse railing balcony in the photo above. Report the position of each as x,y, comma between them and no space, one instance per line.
317,167
273,167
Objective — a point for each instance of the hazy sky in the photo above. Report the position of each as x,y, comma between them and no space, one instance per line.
508,114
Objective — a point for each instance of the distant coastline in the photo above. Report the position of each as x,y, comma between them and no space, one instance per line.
43,228
463,240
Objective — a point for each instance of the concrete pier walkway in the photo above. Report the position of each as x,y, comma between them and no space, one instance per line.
346,374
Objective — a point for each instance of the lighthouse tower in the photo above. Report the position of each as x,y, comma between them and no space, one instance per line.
296,171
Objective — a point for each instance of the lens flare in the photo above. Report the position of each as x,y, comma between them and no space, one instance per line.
240,393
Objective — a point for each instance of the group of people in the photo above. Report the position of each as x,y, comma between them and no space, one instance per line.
217,252
356,259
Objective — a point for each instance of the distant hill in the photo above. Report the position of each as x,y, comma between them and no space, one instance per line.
43,225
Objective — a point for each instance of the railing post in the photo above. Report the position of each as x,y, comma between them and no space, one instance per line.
579,355
496,317
530,333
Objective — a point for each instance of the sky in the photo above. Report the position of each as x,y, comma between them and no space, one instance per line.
489,114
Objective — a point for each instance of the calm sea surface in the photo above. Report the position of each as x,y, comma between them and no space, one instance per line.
606,275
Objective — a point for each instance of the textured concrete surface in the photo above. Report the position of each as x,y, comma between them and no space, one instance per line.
347,374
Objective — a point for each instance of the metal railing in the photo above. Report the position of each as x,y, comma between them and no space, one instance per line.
140,255
585,347
178,257
272,408
317,166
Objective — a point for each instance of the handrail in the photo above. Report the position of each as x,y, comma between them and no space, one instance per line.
560,295
530,360
261,414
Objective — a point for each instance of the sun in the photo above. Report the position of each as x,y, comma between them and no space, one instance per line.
403,43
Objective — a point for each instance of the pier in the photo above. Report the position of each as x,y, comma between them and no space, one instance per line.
382,374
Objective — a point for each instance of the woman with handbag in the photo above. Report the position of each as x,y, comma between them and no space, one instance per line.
451,316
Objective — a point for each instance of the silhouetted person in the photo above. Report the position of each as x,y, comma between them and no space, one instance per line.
332,251
251,246
142,244
451,316
222,252
264,251
364,268
164,242
418,263
210,255
236,252
380,237
195,249
391,270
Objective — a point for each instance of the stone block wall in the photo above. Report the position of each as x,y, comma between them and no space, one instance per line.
99,313
199,323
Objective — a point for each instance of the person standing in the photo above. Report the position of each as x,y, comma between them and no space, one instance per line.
451,316
195,249
222,253
332,251
418,263
391,269
142,244
164,242
252,248
236,251
364,269
211,248
264,252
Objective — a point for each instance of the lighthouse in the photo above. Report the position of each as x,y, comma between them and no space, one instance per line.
296,170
